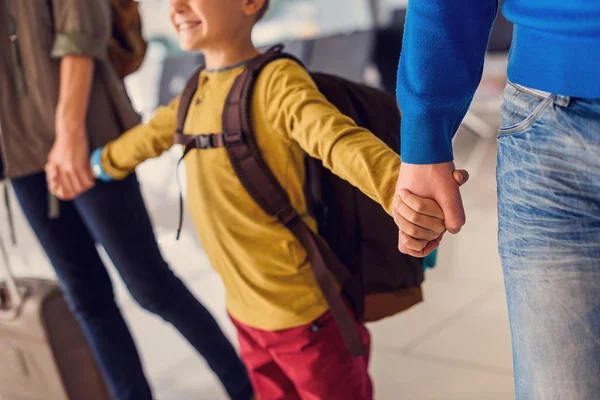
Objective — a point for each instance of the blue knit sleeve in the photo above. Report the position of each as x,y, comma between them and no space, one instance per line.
440,68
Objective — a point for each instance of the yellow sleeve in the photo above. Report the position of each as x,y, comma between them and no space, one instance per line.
121,156
296,106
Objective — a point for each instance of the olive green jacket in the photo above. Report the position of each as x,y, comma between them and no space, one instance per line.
34,35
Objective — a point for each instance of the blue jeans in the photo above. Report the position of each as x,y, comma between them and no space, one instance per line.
114,215
549,241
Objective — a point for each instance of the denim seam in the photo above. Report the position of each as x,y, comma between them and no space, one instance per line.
530,120
513,97
522,89
560,100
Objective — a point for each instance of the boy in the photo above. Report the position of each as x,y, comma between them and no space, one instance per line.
289,342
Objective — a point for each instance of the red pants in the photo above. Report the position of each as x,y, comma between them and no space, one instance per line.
310,362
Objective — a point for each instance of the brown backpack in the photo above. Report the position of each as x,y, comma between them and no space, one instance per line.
127,46
357,240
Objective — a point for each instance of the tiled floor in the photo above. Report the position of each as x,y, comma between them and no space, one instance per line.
454,346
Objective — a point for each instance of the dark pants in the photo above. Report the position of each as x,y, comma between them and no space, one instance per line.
113,214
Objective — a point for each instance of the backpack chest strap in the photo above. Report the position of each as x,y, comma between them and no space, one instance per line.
209,141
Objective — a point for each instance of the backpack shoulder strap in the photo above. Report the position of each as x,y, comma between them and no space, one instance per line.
185,102
262,185
236,120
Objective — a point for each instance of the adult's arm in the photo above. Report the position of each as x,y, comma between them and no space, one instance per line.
68,168
440,68
81,31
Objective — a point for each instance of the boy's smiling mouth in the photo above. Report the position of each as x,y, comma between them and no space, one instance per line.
187,25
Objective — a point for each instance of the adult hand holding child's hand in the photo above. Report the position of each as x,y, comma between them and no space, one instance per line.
422,221
68,169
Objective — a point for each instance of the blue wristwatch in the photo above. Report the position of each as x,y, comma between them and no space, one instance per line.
430,261
98,171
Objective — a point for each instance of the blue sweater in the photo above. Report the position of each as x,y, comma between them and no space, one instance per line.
556,48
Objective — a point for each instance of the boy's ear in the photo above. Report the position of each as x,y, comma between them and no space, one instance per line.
253,7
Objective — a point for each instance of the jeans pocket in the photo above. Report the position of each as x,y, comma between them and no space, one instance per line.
521,109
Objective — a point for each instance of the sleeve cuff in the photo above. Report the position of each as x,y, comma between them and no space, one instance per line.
77,43
96,161
426,139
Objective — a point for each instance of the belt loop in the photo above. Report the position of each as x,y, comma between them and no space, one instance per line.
562,101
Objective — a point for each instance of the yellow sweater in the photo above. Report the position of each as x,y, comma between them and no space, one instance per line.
268,279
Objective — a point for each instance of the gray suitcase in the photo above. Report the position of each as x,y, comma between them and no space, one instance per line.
43,353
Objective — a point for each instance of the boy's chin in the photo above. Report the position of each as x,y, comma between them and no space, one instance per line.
188,46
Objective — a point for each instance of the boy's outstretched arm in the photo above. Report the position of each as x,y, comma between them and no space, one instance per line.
120,157
297,108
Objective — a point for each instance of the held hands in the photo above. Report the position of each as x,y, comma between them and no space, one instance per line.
68,169
422,221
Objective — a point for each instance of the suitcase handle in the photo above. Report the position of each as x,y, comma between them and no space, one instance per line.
15,298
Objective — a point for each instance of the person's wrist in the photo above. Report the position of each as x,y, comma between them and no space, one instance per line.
69,125
77,131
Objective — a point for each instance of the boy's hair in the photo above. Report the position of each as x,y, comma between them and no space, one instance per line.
261,13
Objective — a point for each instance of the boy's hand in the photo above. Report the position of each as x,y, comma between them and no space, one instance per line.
421,220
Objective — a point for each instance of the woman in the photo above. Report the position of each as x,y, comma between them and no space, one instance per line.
59,97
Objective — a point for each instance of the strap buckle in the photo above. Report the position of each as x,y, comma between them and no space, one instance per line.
235,138
287,216
204,142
